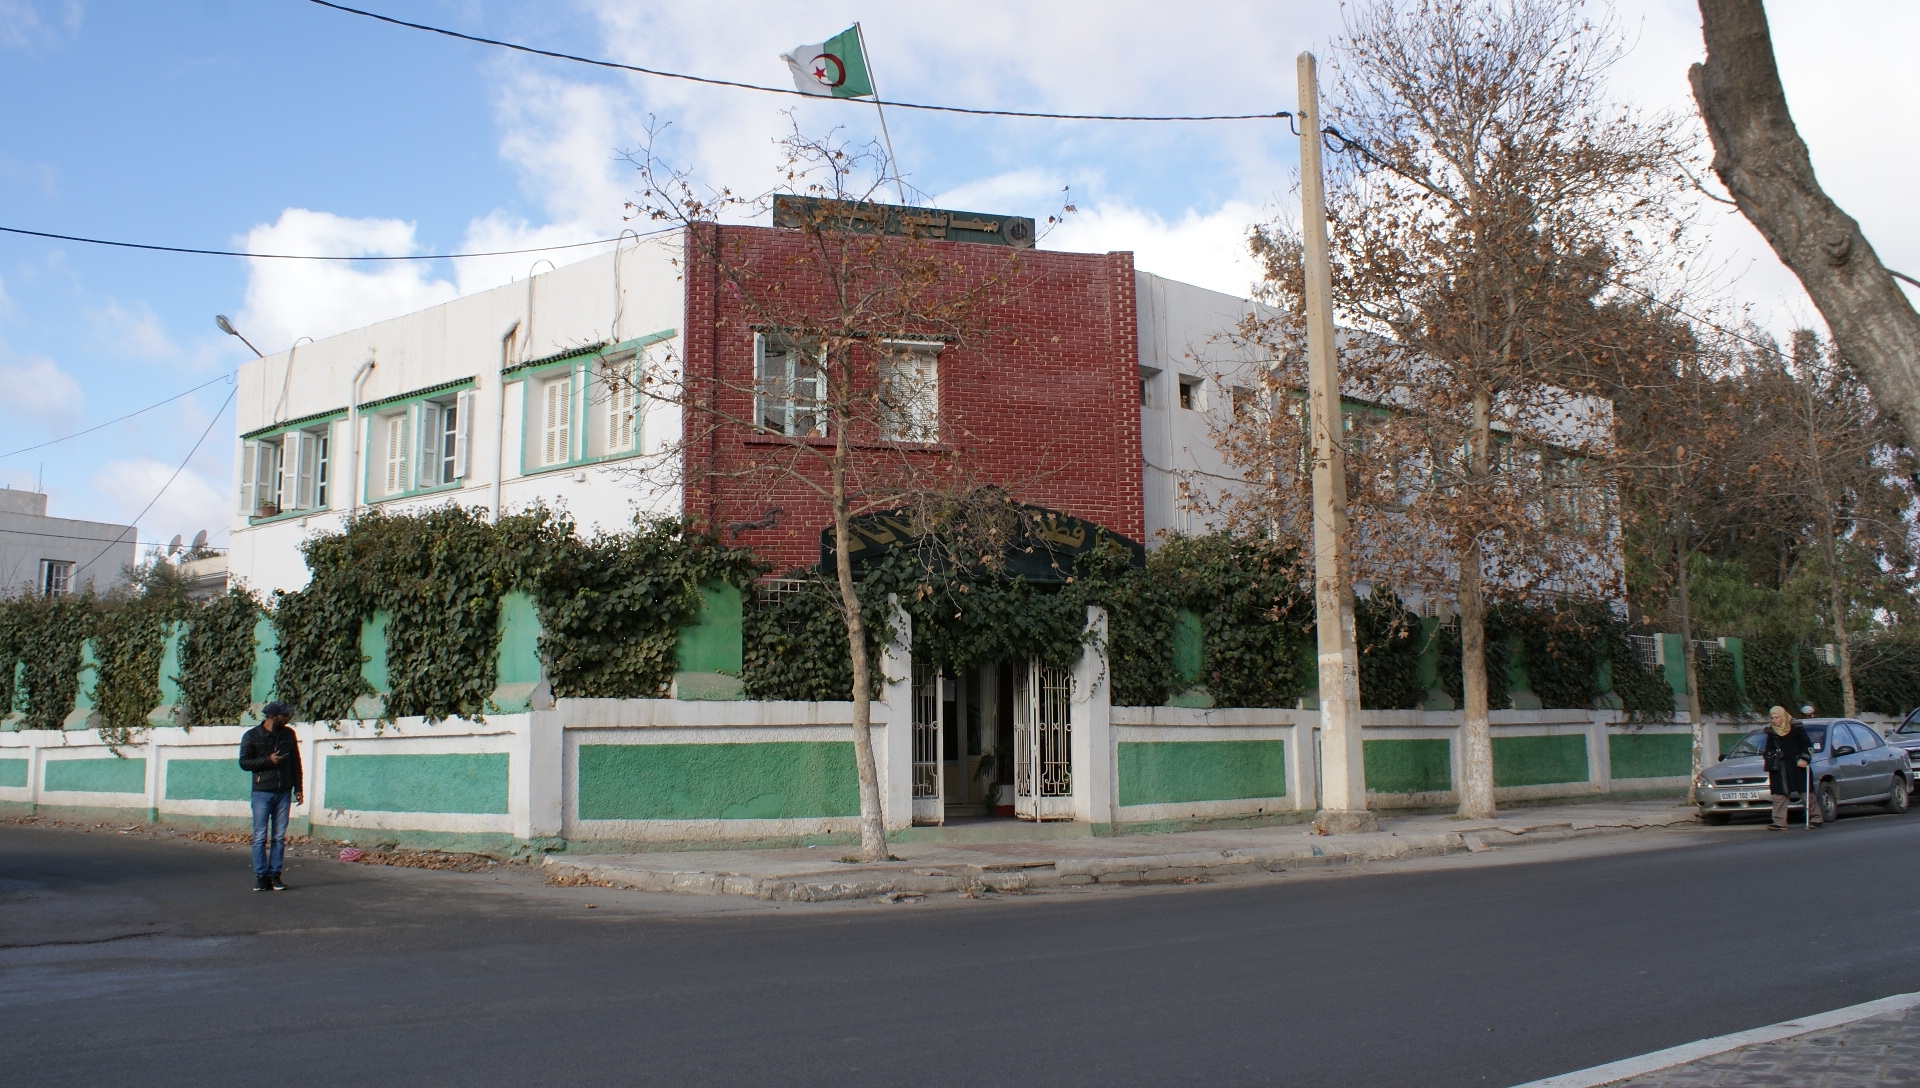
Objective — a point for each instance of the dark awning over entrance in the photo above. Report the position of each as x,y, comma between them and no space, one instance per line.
1041,544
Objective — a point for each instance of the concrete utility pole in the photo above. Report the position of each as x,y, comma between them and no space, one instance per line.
1343,780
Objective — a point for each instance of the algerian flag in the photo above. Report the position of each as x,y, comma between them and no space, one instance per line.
836,67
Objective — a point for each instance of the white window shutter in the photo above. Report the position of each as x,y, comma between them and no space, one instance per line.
249,478
463,426
396,480
430,430
557,434
306,461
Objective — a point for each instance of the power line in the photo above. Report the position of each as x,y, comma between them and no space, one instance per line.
313,257
163,487
76,536
111,422
790,90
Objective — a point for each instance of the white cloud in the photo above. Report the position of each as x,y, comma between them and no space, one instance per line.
191,503
40,392
286,300
133,332
25,24
1205,249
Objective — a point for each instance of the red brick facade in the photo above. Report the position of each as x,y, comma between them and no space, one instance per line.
1043,401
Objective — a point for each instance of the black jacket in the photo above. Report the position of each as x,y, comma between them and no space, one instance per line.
257,745
1785,776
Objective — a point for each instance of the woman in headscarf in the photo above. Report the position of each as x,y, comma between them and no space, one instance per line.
1788,753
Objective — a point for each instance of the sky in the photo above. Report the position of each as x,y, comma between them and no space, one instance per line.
282,126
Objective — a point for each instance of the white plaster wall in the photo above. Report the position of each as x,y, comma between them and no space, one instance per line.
558,310
1185,330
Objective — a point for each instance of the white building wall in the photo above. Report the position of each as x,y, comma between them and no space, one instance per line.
610,298
1186,333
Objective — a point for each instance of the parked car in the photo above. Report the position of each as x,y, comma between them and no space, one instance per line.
1851,765
1907,736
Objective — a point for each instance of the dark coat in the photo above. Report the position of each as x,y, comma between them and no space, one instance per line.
1785,776
257,746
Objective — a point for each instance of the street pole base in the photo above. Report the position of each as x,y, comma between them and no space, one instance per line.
1335,821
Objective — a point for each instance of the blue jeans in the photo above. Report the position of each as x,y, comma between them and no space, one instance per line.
270,808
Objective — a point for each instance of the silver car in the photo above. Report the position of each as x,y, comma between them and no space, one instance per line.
1851,765
1907,736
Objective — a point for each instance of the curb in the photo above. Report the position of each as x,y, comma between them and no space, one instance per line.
898,879
1628,1068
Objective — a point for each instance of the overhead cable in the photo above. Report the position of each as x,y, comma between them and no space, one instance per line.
311,256
737,85
135,526
111,422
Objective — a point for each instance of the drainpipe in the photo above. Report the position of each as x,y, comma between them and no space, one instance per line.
353,435
500,422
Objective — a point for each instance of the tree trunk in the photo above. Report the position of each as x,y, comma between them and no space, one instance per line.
1689,663
1476,790
873,826
1759,156
1837,601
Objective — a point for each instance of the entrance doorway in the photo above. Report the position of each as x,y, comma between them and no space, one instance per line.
963,739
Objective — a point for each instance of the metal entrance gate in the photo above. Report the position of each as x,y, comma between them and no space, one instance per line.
1042,743
929,725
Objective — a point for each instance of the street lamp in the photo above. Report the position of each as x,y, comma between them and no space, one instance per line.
227,327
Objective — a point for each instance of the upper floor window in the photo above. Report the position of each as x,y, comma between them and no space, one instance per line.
56,577
788,388
443,440
616,405
287,472
1193,393
556,419
909,392
418,444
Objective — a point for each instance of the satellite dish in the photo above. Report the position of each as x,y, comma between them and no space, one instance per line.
199,540
173,548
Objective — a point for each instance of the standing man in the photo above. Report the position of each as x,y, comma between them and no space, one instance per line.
272,753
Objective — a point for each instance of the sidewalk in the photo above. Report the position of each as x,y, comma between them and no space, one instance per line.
921,868
1871,1044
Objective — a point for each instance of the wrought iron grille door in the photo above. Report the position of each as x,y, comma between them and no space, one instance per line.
929,791
1043,743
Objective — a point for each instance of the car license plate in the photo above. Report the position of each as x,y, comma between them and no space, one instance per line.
1742,795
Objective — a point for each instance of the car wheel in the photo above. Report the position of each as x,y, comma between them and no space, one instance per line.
1829,803
1717,819
1897,800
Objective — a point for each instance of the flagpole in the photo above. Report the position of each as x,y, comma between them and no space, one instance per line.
898,186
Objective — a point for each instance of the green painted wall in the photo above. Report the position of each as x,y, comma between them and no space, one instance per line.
13,773
87,676
1189,647
419,783
1649,755
1539,761
373,647
170,664
774,780
712,643
1407,766
1676,666
519,658
266,659
1170,772
207,780
108,775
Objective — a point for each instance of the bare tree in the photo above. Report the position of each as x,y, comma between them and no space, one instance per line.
1759,156
1841,465
1503,197
847,311
1690,466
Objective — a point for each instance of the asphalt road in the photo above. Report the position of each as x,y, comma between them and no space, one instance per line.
127,960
